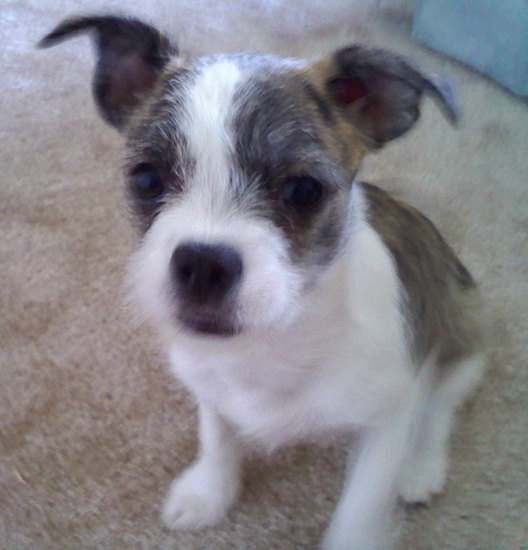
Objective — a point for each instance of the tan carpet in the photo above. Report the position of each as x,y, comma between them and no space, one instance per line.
92,426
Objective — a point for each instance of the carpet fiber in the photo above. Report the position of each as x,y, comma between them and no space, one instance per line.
93,428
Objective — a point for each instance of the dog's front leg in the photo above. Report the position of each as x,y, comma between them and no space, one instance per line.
202,494
362,518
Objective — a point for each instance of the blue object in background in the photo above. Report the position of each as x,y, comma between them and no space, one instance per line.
489,35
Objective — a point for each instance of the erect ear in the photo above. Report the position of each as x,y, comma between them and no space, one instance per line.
380,92
131,56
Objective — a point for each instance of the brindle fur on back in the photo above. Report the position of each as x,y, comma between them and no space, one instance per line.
437,285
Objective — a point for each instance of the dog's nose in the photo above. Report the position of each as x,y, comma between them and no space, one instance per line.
205,273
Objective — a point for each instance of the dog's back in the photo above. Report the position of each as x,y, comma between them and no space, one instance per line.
440,293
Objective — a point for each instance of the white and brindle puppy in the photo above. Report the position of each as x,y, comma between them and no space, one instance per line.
292,299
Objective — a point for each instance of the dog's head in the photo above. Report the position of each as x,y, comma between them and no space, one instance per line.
240,167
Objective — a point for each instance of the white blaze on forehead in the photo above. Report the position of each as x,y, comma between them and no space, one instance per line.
208,115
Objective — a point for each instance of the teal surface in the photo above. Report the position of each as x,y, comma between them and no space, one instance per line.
489,35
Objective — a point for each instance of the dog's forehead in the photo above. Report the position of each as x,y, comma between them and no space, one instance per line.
232,88
218,69
266,109
207,109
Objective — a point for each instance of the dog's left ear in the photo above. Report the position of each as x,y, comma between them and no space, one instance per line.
131,56
380,92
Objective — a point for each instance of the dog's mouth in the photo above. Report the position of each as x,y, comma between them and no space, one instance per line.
210,323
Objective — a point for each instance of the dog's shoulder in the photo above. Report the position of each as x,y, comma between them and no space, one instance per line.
434,279
412,238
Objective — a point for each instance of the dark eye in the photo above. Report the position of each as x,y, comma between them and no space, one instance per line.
303,193
146,182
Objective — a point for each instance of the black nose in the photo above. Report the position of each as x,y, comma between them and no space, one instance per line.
205,273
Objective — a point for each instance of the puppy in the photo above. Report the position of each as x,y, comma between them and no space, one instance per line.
292,300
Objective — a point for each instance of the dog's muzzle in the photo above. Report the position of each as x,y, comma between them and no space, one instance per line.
205,277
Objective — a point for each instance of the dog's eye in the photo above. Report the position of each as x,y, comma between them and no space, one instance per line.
303,193
147,183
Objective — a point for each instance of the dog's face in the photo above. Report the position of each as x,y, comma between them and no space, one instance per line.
240,167
240,185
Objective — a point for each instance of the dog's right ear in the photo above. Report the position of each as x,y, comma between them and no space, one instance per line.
131,56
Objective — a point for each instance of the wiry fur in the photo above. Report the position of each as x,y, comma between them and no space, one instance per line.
349,317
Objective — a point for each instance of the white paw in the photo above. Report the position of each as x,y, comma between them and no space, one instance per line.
422,478
198,498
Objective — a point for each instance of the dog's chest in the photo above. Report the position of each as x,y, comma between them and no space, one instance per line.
291,389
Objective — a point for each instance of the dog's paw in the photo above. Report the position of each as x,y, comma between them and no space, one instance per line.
421,479
198,498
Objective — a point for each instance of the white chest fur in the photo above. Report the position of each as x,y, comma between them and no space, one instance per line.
339,365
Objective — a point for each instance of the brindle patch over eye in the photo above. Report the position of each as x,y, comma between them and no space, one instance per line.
158,164
280,143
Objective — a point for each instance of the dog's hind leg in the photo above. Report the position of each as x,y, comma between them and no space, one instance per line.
442,390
